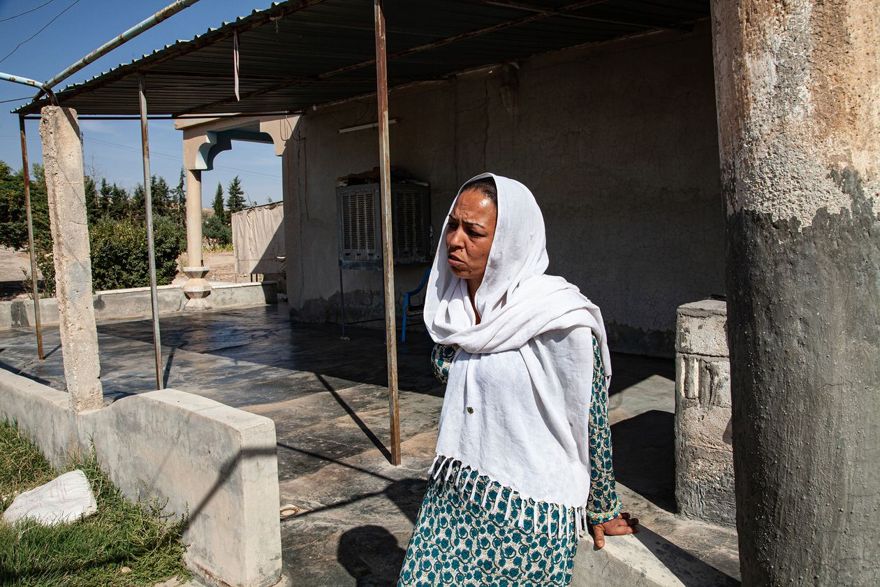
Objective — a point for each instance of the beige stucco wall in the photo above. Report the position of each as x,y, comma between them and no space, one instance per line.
618,144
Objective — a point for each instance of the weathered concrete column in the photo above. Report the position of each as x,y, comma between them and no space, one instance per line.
62,157
197,288
798,88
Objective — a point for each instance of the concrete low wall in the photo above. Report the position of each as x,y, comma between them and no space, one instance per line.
213,463
120,304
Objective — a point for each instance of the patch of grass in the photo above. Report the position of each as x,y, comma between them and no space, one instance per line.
22,466
124,544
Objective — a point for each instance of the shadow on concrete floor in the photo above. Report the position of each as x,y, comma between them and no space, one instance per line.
686,567
631,370
644,456
22,372
356,419
371,555
266,336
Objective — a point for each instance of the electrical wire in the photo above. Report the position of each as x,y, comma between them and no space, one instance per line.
35,8
43,28
16,99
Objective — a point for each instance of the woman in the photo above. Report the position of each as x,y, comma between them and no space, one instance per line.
518,475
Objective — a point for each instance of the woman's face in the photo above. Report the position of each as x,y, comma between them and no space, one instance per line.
469,234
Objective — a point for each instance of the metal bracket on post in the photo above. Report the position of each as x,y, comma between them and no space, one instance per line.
387,235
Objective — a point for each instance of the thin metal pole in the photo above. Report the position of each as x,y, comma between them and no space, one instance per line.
148,202
387,236
116,41
18,79
342,298
35,291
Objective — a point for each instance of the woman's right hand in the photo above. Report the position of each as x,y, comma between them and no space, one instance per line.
621,525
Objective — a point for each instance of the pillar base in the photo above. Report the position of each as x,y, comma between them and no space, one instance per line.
196,289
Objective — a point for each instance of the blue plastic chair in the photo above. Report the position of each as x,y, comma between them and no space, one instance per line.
407,305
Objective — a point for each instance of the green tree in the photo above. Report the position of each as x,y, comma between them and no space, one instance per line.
120,204
216,231
219,212
161,196
13,223
136,205
116,229
13,218
106,195
178,195
93,200
235,199
42,231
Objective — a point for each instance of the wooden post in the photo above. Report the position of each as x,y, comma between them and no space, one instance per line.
387,229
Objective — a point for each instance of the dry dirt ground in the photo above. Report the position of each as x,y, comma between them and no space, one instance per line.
13,265
221,264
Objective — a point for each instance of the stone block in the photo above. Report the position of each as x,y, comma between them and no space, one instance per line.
704,379
702,328
65,499
704,486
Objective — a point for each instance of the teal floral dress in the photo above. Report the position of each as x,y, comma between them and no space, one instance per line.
459,540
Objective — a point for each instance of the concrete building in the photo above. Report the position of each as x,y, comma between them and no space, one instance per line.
618,142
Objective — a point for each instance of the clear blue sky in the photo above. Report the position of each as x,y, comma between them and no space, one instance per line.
112,148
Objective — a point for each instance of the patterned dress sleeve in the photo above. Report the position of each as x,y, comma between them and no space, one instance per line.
604,503
441,359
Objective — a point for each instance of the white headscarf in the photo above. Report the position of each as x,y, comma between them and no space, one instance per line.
517,301
517,400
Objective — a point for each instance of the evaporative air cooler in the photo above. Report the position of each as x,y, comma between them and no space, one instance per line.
359,219
359,223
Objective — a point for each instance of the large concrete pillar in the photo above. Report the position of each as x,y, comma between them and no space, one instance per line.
295,183
62,157
197,288
798,89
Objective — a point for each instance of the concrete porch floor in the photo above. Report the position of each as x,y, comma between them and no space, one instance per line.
327,398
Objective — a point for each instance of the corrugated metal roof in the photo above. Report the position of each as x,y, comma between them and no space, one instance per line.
297,54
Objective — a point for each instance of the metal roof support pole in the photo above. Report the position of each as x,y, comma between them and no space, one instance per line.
17,79
26,175
148,203
387,234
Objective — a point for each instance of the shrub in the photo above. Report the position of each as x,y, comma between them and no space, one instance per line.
216,231
119,252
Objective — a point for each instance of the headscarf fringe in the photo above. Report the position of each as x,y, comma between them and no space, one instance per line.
570,521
